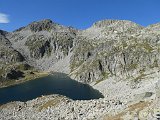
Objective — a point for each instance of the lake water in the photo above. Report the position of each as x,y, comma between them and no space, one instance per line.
58,83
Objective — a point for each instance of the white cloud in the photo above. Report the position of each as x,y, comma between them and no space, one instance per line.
4,18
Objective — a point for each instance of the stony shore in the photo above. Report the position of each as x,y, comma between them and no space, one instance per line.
56,107
120,103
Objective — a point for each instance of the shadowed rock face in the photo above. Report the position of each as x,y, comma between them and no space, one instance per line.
38,46
8,54
13,74
9,58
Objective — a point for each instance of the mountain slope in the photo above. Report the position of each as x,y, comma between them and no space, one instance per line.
121,49
108,48
43,43
117,57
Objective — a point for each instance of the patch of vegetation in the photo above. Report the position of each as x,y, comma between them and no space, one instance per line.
140,77
75,64
142,70
24,67
98,81
105,76
28,75
50,103
147,46
17,72
131,66
124,43
138,107
155,64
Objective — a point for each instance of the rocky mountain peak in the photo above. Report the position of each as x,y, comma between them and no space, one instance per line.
111,29
46,25
41,25
103,23
154,27
37,26
107,23
44,21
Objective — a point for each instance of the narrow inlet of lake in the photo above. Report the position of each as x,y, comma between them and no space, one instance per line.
57,83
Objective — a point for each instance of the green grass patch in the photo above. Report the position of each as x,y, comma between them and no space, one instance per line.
132,66
140,77
50,103
105,76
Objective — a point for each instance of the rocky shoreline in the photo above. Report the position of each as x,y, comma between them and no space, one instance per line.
119,103
56,107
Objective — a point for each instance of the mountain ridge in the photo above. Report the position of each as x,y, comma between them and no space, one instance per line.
103,20
44,38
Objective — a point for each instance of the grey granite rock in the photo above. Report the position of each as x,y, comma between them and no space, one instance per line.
118,57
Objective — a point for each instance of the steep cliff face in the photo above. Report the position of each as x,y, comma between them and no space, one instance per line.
43,43
7,53
117,48
8,56
39,46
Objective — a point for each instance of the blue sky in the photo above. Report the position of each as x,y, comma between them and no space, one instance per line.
77,13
